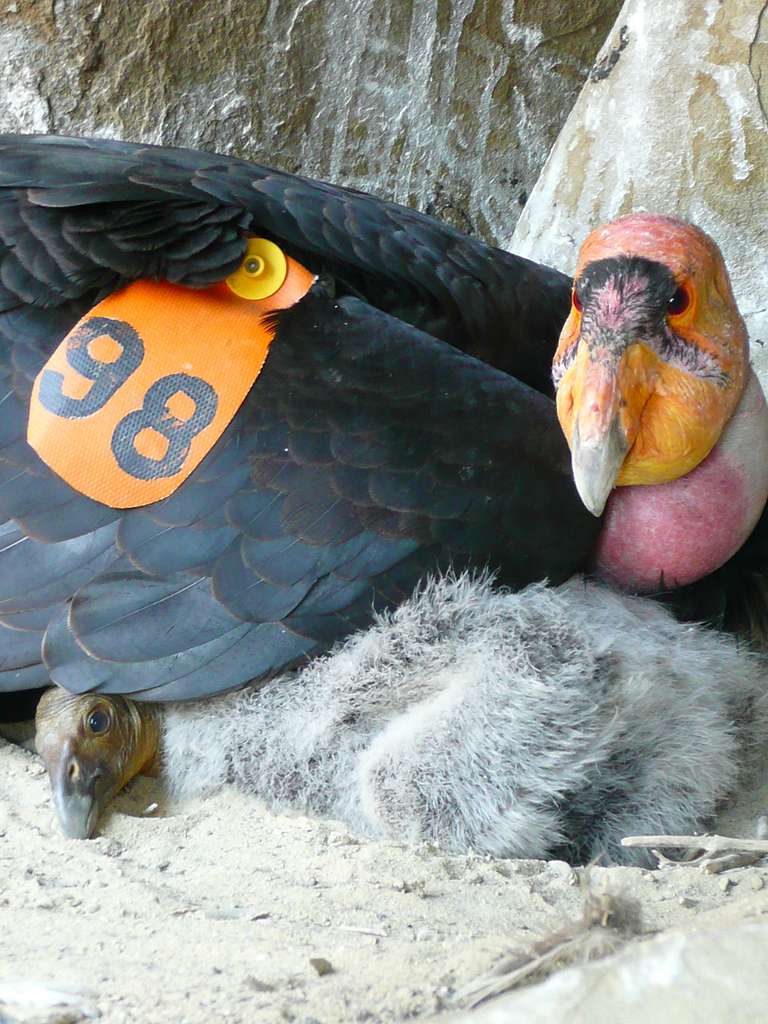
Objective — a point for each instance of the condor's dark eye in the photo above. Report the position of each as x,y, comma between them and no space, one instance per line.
577,304
679,302
99,721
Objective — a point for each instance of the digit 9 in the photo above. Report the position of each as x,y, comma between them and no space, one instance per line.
106,376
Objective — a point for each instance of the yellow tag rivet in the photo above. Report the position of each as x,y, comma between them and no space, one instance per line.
254,265
262,272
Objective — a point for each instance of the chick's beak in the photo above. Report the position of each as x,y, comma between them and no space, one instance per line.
599,410
79,790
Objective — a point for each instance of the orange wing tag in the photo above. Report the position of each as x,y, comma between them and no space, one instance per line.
144,385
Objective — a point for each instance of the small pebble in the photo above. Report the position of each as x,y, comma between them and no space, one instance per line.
562,871
321,965
341,839
257,985
455,869
418,887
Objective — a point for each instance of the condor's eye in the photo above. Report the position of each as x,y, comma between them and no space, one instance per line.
679,302
99,721
577,304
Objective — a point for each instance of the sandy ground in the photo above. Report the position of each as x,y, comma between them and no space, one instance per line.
215,910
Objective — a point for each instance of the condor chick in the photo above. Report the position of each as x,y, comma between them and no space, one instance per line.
549,722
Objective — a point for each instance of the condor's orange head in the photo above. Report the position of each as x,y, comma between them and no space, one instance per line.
653,357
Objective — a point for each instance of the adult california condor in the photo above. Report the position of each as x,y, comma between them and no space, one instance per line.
402,422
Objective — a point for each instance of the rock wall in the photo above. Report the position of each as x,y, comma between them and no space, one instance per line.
695,975
448,105
673,119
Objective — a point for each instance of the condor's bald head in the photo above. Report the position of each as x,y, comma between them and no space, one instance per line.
652,360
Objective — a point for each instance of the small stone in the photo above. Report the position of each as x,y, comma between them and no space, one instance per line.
454,869
417,887
562,871
321,965
527,868
341,839
112,848
42,1003
256,985
726,884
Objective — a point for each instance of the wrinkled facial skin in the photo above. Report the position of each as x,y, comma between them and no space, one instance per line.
92,746
652,359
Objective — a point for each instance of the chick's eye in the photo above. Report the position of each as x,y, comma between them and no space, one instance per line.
98,721
679,302
577,303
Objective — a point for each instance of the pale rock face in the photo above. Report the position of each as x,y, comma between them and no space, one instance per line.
672,120
447,105
696,976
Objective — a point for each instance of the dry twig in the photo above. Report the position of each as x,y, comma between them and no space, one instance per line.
711,853
708,843
376,932
728,861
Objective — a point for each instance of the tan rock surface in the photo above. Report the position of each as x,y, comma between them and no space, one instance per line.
703,975
448,106
673,120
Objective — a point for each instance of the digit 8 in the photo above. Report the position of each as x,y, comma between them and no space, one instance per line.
156,415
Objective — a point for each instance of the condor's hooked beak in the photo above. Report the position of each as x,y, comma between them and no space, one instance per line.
596,462
600,403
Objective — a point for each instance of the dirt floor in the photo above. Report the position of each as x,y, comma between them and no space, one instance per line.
217,910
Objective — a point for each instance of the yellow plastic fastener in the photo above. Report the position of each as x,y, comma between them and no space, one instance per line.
261,273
